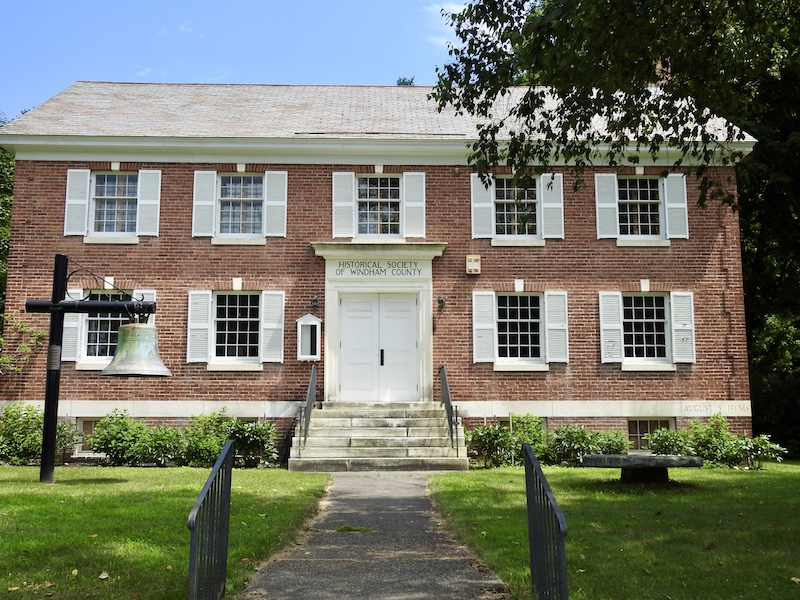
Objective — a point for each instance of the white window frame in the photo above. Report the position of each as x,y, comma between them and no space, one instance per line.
80,206
549,211
680,332
345,205
220,201
309,338
77,450
554,331
207,204
201,341
74,344
673,209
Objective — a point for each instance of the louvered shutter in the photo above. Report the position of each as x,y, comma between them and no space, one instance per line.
607,205
557,337
682,318
483,327
204,205
414,205
611,349
552,187
148,203
482,199
276,190
675,206
198,337
71,332
344,199
76,210
272,326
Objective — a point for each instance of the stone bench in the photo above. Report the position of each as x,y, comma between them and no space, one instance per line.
641,468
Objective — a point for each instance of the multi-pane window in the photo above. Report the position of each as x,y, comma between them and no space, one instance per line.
645,326
639,206
637,430
514,208
519,327
115,203
101,328
237,324
379,205
241,204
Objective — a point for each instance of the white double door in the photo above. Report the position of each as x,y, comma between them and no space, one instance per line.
379,345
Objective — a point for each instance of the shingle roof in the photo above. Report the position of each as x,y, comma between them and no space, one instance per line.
241,111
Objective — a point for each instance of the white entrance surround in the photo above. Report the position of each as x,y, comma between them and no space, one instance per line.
378,268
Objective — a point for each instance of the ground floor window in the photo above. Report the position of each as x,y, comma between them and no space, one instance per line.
638,429
86,430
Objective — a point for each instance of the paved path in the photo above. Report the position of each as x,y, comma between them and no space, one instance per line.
406,555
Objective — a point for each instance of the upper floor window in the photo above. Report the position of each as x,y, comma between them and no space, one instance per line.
647,331
512,215
112,207
639,210
519,331
239,208
379,206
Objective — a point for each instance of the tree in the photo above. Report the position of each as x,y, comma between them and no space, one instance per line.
405,81
656,74
6,190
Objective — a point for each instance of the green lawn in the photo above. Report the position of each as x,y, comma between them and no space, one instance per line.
710,534
103,533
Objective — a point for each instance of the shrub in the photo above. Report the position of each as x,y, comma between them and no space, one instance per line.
118,436
568,443
20,433
612,441
205,437
493,446
526,429
669,441
161,444
760,449
254,441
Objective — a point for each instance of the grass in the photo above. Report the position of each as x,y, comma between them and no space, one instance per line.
103,533
713,534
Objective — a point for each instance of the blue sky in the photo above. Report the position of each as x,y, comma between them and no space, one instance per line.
49,44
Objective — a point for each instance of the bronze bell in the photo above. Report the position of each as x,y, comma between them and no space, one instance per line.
137,353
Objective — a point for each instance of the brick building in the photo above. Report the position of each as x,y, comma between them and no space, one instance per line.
283,226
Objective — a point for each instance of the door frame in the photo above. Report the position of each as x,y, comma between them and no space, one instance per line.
340,280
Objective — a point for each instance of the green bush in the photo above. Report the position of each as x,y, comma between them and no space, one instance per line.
670,441
254,441
161,444
760,449
205,437
118,436
21,427
612,441
493,446
527,429
567,444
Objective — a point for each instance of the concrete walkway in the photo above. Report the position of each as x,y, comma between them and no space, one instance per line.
406,555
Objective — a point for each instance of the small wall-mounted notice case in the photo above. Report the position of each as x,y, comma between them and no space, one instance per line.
473,264
309,330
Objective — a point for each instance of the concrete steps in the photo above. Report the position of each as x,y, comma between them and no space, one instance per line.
358,436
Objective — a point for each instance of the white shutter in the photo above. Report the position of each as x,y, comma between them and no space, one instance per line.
71,333
552,188
272,326
556,332
483,327
607,204
76,210
146,296
482,199
276,190
344,199
611,327
675,206
205,203
148,202
198,337
682,318
414,205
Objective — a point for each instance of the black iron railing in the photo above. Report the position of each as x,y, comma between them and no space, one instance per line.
305,411
452,411
547,530
208,522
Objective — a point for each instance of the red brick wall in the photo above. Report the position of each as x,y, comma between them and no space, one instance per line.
708,263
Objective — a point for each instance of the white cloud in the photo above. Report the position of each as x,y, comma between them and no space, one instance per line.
144,72
440,33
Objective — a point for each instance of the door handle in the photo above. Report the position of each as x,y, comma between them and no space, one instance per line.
381,356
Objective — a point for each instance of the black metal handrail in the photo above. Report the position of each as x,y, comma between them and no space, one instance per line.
209,522
305,412
452,411
547,530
